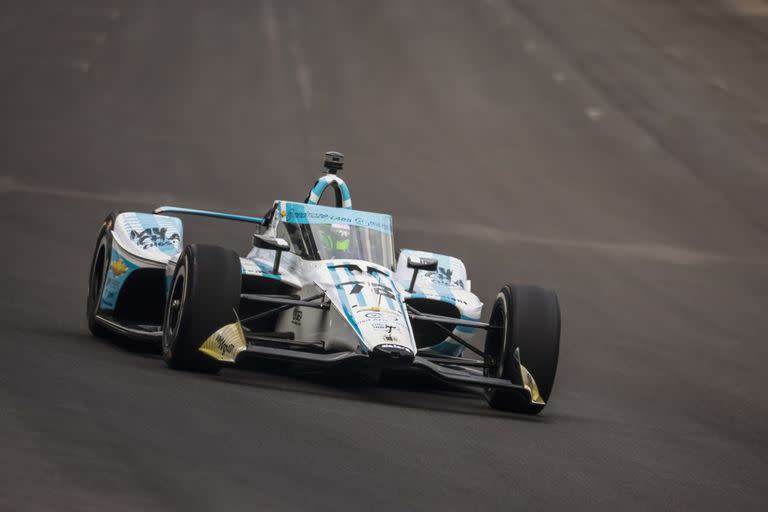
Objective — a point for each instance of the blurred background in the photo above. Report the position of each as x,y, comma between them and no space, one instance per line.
614,150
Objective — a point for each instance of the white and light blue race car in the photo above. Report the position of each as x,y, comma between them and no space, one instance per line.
321,286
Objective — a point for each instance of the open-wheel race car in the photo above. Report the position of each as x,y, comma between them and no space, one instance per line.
321,286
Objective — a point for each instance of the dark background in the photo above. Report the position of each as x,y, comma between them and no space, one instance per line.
616,151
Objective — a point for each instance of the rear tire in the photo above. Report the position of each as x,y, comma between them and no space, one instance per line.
530,320
98,276
204,297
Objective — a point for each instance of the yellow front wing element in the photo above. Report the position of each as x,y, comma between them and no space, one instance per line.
225,344
531,386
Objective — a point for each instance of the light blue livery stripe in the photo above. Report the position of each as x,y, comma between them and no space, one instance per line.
360,296
115,280
345,195
319,188
323,183
266,270
206,213
346,308
300,213
391,286
448,348
465,328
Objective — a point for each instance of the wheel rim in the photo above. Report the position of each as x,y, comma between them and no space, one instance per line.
175,307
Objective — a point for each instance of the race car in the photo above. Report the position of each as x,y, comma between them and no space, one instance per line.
322,286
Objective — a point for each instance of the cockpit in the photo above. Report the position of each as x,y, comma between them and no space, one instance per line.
317,232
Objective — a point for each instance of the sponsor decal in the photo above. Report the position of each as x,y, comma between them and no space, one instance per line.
119,270
314,214
377,288
392,346
389,337
382,326
224,347
226,343
155,237
119,267
380,317
444,276
297,314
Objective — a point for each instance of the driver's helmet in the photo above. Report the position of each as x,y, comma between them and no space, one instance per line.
336,238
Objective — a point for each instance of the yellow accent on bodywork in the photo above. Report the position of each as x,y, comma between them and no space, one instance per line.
225,344
118,267
531,386
379,310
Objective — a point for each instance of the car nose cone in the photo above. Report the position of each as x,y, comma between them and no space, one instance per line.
391,353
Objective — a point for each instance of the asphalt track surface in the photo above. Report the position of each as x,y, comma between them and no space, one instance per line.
613,150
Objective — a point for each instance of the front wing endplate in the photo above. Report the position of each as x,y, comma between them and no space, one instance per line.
527,381
225,344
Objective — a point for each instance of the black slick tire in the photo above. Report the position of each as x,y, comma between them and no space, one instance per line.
204,296
98,276
529,317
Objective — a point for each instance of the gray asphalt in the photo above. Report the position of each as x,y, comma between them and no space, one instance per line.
616,151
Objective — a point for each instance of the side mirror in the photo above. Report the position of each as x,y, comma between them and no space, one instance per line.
428,264
273,244
270,242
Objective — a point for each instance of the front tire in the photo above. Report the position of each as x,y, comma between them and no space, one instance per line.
529,317
204,296
98,276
